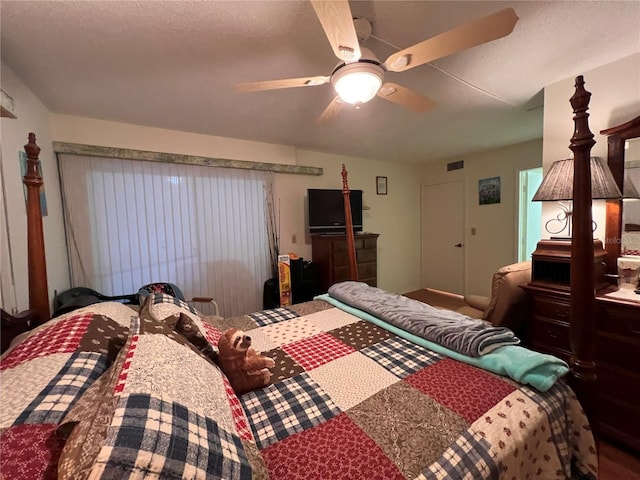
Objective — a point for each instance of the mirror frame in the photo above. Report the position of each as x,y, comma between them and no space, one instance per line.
617,136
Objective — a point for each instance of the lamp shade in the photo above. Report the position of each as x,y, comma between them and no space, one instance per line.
629,190
558,182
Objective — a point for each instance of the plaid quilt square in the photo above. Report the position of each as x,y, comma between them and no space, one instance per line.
286,408
65,388
317,350
275,315
473,393
153,437
159,298
468,457
62,337
401,357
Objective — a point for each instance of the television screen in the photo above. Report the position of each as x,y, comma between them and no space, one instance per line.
326,210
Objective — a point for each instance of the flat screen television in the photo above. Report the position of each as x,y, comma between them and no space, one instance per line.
326,210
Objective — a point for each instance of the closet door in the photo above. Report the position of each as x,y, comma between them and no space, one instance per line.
443,236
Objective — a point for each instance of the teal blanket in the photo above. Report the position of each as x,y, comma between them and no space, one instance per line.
521,364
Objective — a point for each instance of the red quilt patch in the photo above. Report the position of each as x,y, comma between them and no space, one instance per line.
63,337
336,449
317,350
30,451
239,418
212,334
471,393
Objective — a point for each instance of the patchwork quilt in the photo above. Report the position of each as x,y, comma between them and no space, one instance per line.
351,400
44,376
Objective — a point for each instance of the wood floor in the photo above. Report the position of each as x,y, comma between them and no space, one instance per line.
617,464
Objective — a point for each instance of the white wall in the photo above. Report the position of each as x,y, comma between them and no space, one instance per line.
495,242
33,116
394,216
615,99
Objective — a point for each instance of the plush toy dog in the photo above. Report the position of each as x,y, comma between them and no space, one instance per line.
243,366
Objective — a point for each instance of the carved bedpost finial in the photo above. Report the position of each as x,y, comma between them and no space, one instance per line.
580,102
345,187
32,175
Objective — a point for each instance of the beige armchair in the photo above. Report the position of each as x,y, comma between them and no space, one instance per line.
505,307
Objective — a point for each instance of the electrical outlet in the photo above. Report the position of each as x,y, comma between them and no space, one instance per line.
473,230
294,238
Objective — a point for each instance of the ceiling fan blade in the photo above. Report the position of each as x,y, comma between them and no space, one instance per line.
337,22
283,83
331,111
470,34
405,97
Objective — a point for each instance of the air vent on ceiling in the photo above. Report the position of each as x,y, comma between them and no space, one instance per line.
455,165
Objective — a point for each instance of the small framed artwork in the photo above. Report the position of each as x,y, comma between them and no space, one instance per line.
489,190
381,185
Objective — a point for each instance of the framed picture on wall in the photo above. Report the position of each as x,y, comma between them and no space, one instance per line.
489,190
381,185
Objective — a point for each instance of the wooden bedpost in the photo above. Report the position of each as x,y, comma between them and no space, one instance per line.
351,246
38,288
582,315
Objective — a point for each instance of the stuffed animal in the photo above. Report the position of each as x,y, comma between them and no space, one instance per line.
243,366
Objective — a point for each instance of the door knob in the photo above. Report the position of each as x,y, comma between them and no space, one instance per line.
458,245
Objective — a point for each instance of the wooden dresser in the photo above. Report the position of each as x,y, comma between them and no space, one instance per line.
617,354
330,253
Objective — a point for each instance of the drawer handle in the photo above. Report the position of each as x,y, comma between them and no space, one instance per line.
632,330
561,314
552,334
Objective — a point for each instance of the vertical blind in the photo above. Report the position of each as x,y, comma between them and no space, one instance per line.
130,223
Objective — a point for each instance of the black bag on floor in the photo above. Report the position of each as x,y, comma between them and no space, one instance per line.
79,297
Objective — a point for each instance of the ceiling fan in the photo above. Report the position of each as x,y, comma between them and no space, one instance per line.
359,76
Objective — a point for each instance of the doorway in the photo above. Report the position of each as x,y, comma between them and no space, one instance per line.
442,231
529,213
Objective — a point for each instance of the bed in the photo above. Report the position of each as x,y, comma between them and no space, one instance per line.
107,391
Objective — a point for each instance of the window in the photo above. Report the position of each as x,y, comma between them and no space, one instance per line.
130,223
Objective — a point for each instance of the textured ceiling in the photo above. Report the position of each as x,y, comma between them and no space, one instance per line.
174,65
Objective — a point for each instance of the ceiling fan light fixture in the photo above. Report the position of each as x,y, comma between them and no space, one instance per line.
357,82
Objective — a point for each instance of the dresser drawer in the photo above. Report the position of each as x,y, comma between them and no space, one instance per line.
625,323
367,270
370,242
551,333
551,308
611,378
613,350
341,245
366,255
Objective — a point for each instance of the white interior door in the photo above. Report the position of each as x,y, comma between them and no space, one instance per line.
443,237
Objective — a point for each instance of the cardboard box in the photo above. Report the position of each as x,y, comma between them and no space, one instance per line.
284,279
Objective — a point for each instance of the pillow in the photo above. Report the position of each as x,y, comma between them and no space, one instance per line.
165,308
169,412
